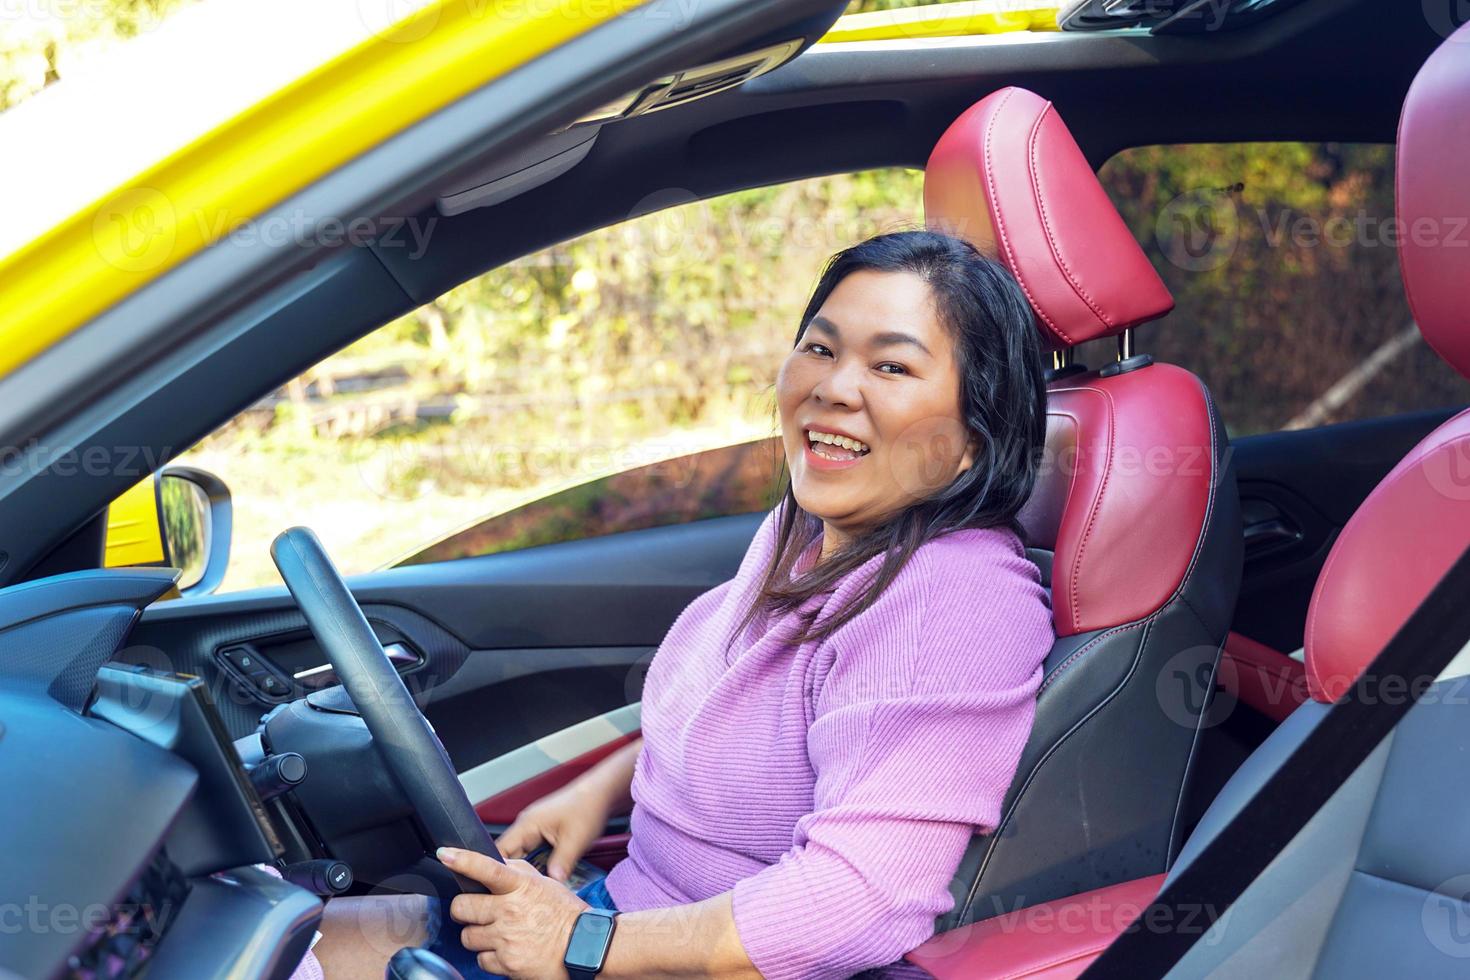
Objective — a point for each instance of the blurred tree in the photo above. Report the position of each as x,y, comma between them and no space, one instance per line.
38,49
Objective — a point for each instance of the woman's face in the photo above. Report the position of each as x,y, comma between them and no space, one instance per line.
875,366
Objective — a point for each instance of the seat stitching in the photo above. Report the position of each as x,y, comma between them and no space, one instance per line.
1031,971
1000,223
1073,586
1051,239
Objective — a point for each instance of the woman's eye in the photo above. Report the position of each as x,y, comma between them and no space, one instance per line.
819,349
889,367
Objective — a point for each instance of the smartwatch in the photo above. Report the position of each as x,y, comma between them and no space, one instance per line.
587,950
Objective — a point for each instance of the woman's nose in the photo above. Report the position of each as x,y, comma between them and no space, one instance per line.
841,387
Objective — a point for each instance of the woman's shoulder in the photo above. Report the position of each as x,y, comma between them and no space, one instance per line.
959,562
966,613
975,578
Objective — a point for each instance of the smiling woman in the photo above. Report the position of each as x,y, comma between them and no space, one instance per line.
884,624
912,404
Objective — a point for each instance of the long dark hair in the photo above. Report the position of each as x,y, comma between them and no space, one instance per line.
1002,404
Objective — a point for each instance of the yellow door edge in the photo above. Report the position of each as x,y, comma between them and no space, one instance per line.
133,235
945,20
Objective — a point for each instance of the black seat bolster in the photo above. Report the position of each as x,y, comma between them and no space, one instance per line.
1101,781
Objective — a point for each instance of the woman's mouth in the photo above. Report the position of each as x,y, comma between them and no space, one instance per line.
827,450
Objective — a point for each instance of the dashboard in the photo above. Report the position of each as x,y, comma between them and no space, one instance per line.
135,837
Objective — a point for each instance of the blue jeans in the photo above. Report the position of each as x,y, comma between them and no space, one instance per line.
447,944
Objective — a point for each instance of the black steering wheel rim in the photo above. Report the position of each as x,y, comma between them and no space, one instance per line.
412,752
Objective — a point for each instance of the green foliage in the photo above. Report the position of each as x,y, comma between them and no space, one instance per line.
1296,283
37,51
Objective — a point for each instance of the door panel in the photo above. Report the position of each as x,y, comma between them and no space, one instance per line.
501,650
501,787
1297,490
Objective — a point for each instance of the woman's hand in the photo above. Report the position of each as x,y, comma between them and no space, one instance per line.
522,928
569,819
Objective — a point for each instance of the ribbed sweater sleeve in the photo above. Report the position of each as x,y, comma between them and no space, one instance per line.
917,729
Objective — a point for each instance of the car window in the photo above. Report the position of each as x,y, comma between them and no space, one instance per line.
738,479
645,343
1284,269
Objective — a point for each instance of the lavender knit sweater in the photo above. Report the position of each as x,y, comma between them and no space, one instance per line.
834,786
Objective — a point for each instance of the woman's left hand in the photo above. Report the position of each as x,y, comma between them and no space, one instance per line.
521,929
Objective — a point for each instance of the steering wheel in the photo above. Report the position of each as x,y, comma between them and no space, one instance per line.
413,753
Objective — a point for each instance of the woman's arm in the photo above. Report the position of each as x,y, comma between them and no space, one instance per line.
571,818
612,778
697,940
523,925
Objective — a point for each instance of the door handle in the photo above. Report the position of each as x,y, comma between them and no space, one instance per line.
316,678
1269,535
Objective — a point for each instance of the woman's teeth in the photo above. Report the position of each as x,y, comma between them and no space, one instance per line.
853,447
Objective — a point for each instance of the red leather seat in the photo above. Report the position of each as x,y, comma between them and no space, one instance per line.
1135,521
1378,881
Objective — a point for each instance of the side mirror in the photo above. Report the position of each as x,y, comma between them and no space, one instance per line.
194,505
180,517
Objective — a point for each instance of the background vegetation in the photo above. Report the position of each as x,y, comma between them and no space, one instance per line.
661,336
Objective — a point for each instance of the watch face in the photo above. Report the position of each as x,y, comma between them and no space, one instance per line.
589,941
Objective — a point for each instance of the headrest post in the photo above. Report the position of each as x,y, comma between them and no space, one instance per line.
1125,344
1062,358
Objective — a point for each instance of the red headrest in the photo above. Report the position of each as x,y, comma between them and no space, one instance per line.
1415,523
1433,199
1008,177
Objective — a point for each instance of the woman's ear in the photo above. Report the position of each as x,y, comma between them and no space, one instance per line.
968,459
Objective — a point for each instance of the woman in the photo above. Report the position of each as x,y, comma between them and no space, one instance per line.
823,734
